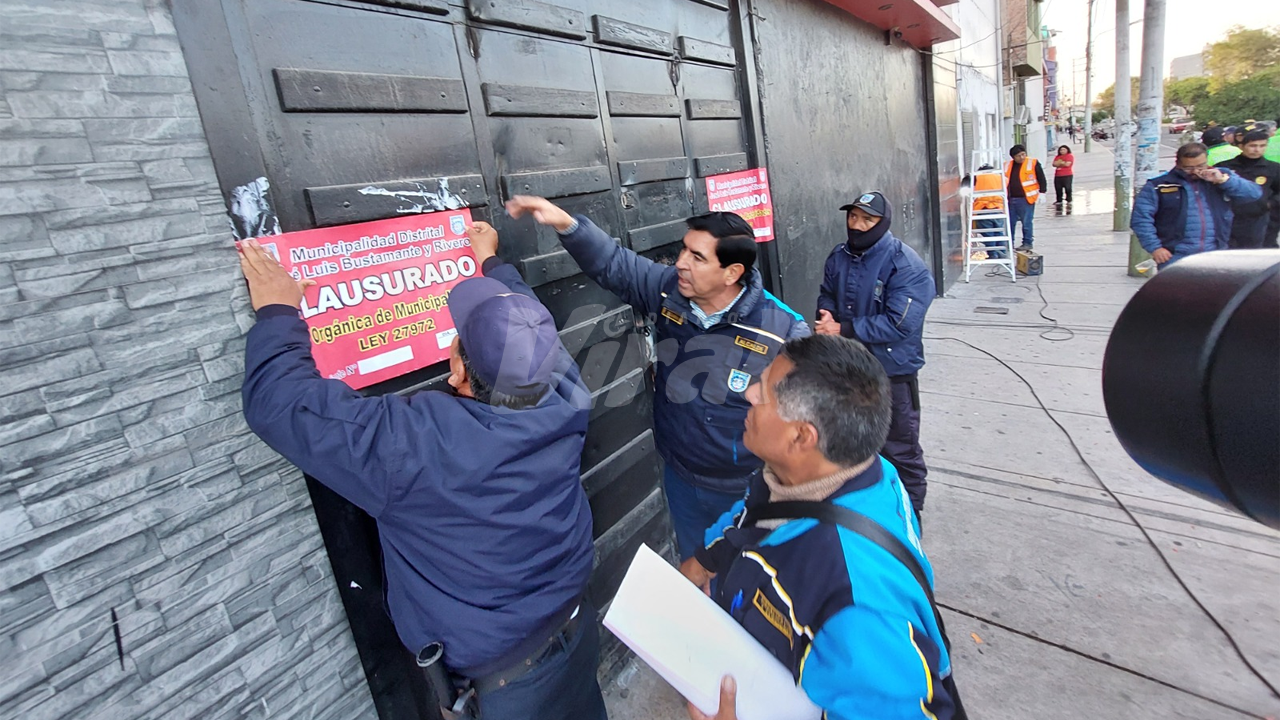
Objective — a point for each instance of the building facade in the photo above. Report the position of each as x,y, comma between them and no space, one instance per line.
1186,66
156,560
1024,82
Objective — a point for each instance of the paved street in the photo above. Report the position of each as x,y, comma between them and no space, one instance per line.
1072,580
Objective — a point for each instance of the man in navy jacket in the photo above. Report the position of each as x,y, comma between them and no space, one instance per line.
1188,209
487,553
716,329
876,290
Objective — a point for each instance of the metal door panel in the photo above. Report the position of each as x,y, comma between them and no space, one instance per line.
678,17
602,127
316,149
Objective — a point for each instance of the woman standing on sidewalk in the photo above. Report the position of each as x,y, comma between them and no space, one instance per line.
1063,173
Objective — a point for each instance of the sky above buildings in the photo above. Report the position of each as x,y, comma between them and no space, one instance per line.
1189,26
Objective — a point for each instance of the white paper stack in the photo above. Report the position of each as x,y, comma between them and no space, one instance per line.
692,643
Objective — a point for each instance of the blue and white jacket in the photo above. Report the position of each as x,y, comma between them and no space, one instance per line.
849,620
701,375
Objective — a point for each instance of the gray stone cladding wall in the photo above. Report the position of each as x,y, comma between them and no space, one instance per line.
128,479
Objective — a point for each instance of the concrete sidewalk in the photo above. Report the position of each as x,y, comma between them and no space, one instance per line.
1057,603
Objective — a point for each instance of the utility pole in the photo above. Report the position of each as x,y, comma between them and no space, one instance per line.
1150,108
1124,128
1088,83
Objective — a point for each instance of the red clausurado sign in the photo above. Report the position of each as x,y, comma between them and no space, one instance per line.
747,194
379,308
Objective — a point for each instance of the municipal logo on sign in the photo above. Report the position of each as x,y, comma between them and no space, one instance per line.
457,224
738,381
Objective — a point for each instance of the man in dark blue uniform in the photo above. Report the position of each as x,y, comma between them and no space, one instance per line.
842,613
716,329
485,553
876,290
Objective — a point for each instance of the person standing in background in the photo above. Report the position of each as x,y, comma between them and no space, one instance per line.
876,290
1063,173
1256,223
1024,181
1221,144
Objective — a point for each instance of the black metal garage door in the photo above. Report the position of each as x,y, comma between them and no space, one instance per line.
363,110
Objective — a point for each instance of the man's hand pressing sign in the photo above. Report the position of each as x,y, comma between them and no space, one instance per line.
269,284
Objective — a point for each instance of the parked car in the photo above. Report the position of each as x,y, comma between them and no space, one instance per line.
1180,126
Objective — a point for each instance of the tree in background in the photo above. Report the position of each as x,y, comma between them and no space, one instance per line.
1256,98
1187,92
1243,81
1106,100
1240,55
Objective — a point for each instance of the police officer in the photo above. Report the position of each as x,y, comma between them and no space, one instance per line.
876,290
1221,144
716,329
1256,223
486,555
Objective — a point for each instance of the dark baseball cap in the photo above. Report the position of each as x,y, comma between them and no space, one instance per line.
1212,136
510,338
872,203
1254,133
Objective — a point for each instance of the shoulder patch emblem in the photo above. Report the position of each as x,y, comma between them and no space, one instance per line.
772,614
751,345
673,316
738,381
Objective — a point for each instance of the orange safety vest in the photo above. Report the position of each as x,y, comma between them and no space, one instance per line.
1030,185
986,182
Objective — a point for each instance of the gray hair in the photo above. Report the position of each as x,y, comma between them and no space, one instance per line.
840,388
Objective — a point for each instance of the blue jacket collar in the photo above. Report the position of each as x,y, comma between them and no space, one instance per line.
748,302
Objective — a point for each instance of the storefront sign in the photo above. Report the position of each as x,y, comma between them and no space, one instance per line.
747,194
379,307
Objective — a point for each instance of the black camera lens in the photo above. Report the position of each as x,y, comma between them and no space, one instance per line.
1191,379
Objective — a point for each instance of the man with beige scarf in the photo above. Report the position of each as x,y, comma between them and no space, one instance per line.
840,609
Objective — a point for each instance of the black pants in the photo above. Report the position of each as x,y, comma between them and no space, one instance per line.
1061,184
1248,233
902,447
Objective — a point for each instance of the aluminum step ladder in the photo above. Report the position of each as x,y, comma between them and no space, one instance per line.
988,234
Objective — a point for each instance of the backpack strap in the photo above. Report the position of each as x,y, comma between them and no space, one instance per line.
833,514
877,534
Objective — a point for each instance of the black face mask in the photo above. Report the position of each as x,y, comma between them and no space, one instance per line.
861,241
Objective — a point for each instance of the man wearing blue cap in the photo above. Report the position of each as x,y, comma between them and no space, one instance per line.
486,554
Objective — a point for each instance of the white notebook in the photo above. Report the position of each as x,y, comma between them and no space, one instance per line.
692,643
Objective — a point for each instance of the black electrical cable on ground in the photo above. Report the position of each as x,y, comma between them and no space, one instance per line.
1132,518
1056,327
